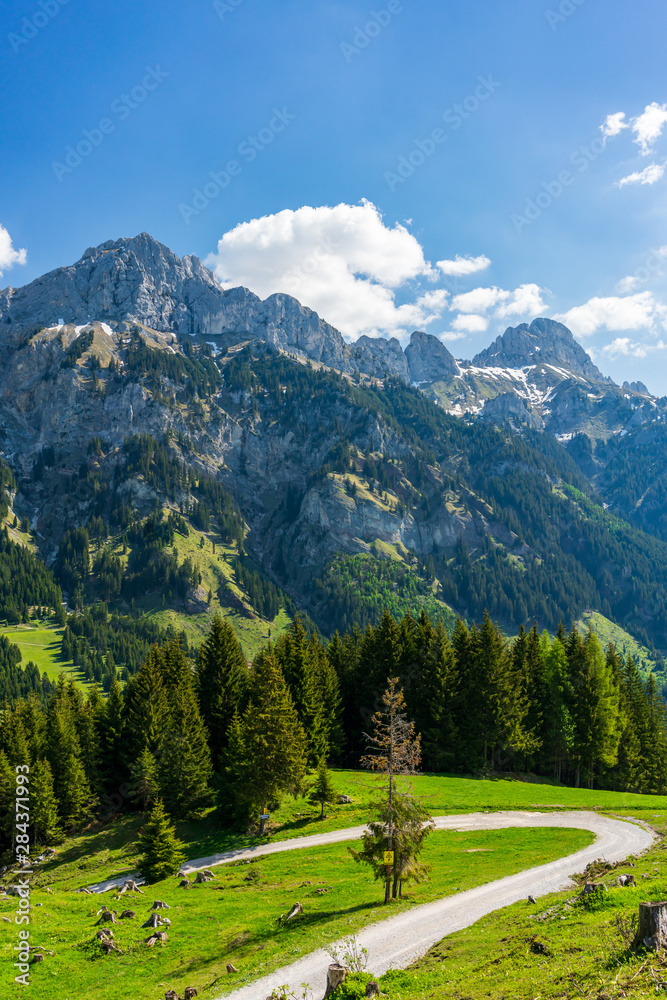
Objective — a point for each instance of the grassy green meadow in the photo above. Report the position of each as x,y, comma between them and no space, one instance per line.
40,643
233,919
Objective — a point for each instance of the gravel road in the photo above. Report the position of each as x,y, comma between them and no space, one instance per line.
400,940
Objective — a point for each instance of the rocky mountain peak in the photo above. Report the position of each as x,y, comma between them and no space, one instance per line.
428,358
545,341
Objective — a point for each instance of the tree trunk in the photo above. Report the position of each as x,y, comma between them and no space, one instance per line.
335,975
652,926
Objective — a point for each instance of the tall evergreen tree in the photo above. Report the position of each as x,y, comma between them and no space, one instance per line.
267,747
294,657
222,681
162,853
44,805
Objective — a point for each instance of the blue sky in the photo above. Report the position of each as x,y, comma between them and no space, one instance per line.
304,111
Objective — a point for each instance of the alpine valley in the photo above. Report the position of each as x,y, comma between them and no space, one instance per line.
178,448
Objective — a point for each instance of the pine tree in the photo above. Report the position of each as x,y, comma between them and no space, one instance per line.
267,747
44,805
222,681
162,854
432,695
393,748
145,780
322,792
112,724
295,660
185,761
146,708
411,824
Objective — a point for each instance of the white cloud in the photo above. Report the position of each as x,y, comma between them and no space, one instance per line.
8,255
526,300
632,312
648,126
452,335
649,175
471,323
613,124
342,261
624,346
627,284
462,266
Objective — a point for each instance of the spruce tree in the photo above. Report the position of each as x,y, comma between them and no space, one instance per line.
145,781
432,694
162,853
222,681
185,760
295,659
44,805
267,747
322,792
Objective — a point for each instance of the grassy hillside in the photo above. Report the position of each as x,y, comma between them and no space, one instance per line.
609,632
233,918
40,643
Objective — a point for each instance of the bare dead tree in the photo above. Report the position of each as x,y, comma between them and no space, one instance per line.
393,748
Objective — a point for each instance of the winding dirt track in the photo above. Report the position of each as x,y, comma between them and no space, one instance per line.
400,940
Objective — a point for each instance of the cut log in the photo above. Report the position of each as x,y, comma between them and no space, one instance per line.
335,975
652,926
127,915
159,905
372,990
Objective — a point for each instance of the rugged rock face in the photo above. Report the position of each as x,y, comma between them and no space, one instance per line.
428,359
379,357
509,406
544,341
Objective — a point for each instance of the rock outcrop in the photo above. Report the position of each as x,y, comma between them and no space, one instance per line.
428,359
543,342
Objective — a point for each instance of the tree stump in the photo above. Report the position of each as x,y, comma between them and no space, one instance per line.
652,926
335,975
296,909
190,993
209,873
127,915
344,800
153,921
231,968
38,957
372,990
104,935
202,877
171,995
107,917
159,905
185,884
626,880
